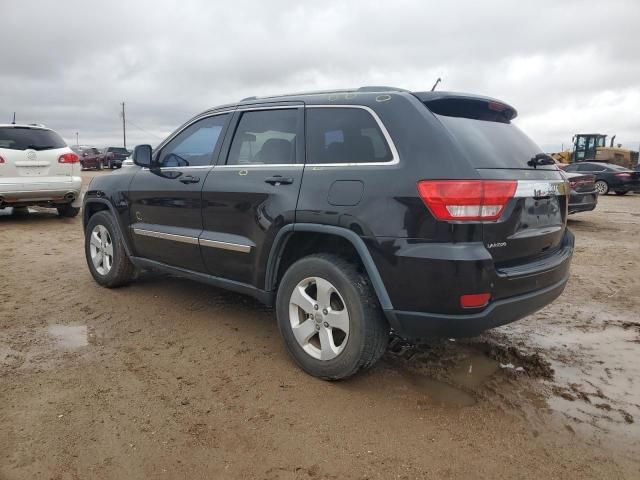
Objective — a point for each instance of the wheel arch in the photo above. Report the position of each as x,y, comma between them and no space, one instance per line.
95,205
279,249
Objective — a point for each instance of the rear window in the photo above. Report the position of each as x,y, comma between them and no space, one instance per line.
23,138
118,150
344,135
492,144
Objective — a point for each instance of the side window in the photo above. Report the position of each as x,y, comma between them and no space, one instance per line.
265,137
344,135
194,146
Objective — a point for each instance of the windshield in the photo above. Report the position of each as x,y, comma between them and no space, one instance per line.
24,138
491,144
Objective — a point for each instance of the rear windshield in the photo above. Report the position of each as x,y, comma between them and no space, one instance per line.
23,138
491,144
118,150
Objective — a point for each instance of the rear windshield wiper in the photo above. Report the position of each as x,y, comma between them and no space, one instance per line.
541,159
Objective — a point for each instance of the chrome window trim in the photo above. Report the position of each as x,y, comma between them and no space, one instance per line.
245,108
385,133
187,125
246,166
236,247
166,236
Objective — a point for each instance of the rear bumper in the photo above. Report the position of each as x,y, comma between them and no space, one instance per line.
26,193
425,283
418,325
582,202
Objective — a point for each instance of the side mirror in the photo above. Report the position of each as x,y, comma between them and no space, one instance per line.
142,155
85,154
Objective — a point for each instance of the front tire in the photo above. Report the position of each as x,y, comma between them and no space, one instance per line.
602,187
105,252
329,317
67,211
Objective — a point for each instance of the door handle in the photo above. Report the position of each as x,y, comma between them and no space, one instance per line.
190,179
279,180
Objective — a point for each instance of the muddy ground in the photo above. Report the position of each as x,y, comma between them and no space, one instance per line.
168,378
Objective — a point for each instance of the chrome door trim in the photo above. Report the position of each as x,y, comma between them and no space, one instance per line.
166,236
236,247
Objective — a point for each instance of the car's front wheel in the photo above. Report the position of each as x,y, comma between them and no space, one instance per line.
105,252
330,318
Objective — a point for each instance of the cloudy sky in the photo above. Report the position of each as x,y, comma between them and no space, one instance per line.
567,66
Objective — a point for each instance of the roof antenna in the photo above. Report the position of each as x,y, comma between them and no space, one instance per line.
436,84
14,119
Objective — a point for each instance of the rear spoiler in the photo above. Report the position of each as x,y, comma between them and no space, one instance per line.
467,106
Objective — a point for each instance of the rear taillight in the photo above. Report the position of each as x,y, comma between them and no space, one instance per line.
573,183
624,175
68,158
1,160
469,200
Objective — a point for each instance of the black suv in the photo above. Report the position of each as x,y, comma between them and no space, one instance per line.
356,213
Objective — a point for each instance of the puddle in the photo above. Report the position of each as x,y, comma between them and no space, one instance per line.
437,392
69,337
446,373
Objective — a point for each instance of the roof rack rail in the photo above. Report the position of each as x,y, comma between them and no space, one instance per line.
381,88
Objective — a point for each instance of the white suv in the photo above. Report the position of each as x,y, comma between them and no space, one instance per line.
38,168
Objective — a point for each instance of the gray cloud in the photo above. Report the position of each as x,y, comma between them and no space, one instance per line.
567,66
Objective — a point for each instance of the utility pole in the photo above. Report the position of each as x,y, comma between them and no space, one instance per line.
77,141
124,128
14,119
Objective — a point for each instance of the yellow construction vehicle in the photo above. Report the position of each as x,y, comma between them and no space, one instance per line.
593,147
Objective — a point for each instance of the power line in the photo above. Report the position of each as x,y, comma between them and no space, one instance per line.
129,122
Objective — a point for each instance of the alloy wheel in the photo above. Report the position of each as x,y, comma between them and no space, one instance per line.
319,318
101,249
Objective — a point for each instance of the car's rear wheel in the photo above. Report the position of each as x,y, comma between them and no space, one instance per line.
330,318
68,211
105,252
602,187
619,192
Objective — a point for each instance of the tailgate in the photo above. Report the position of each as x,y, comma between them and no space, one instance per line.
533,223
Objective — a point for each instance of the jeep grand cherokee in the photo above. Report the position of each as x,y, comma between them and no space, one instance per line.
356,212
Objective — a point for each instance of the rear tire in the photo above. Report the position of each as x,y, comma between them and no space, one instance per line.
68,211
105,252
621,193
602,187
342,330
99,166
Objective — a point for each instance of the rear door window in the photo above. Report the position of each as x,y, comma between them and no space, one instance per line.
344,135
25,138
265,137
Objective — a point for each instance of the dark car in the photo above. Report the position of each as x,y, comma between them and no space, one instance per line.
90,157
584,196
609,177
112,157
356,213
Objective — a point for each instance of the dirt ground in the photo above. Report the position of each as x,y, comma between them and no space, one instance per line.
168,378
